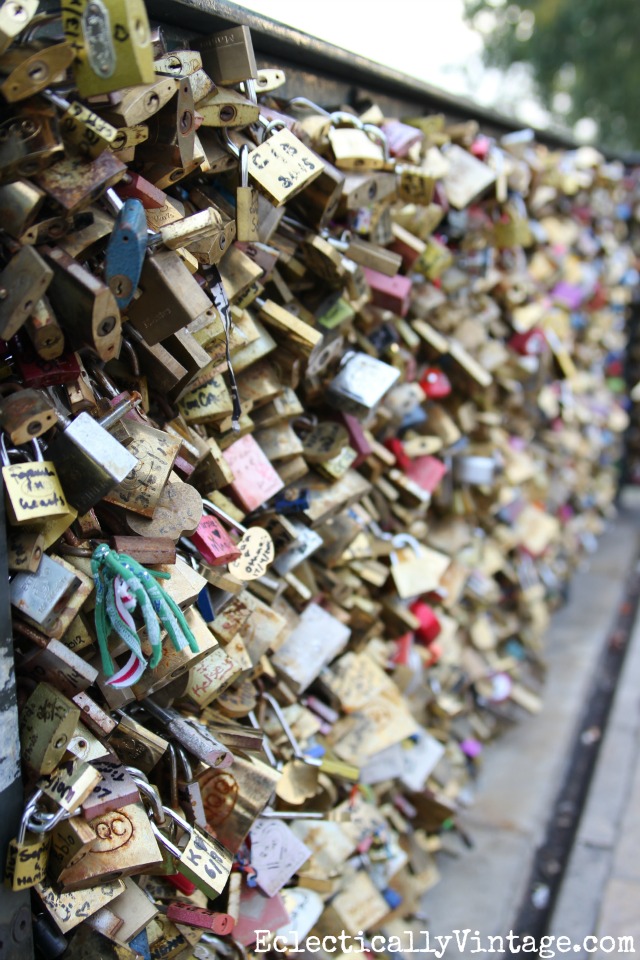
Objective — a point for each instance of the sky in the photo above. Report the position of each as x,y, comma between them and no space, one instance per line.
427,39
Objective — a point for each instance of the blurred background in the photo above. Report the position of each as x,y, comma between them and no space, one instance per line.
552,63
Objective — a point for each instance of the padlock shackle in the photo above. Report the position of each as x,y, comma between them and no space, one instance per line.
282,720
266,745
219,512
296,102
151,793
169,845
244,165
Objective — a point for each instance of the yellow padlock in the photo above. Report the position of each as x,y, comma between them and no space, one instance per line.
33,490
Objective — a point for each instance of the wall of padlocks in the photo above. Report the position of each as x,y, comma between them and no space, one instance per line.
308,416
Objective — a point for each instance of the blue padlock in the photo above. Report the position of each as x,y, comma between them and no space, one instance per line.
126,252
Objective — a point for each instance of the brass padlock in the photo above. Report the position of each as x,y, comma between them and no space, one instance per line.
171,298
27,855
86,132
24,279
125,845
111,41
24,414
29,143
282,166
21,202
14,18
33,490
142,488
227,56
32,67
246,202
47,724
203,860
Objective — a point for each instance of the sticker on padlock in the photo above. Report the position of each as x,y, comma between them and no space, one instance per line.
33,489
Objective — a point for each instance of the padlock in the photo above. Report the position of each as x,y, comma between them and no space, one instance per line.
33,490
125,845
204,860
178,63
213,543
281,167
31,67
135,745
188,788
91,462
21,204
171,298
24,414
91,313
27,855
111,42
28,144
126,252
70,784
25,279
25,550
246,202
69,909
73,183
14,19
352,145
86,132
47,723
192,735
43,595
227,56
155,451
361,384
223,107
70,840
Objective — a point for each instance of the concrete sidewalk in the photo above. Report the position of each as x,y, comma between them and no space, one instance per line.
601,889
523,772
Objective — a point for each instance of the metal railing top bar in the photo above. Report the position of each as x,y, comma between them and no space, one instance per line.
292,49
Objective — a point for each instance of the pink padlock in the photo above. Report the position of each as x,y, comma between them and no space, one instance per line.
390,293
426,471
213,543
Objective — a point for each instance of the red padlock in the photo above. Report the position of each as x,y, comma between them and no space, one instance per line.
397,449
430,626
435,384
529,344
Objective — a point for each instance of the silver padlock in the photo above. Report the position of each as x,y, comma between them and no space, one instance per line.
361,384
193,736
41,596
90,462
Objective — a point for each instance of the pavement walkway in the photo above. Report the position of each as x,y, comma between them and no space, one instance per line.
522,774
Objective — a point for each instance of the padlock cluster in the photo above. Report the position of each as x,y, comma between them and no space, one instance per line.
308,415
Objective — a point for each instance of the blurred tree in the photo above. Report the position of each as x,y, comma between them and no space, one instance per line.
584,56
